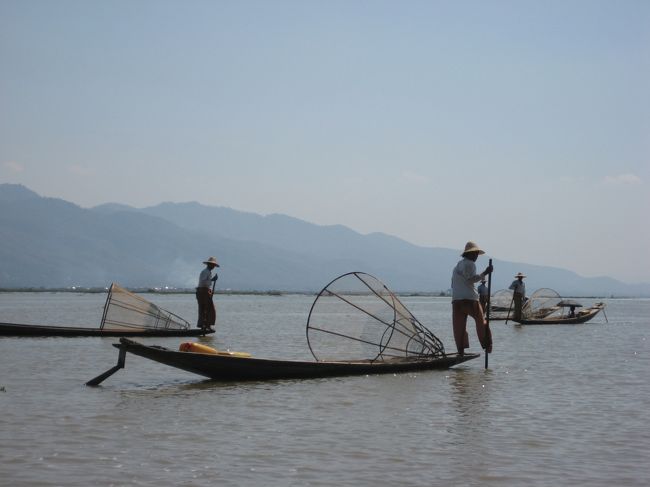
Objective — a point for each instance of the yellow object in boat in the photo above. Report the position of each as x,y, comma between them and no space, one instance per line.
200,348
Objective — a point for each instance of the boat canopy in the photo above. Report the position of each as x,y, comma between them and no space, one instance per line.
125,310
356,317
567,303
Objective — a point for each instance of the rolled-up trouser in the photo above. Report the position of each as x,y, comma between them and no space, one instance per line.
207,312
460,310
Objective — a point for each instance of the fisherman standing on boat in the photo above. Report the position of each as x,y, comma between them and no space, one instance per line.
204,291
465,300
518,294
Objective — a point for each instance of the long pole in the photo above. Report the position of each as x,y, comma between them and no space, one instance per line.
487,316
216,277
510,307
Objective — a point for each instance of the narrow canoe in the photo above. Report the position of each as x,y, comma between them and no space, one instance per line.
15,329
582,317
233,368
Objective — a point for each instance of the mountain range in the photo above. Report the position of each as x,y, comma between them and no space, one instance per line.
52,243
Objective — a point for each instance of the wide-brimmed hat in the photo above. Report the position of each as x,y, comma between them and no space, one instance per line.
519,274
211,260
472,247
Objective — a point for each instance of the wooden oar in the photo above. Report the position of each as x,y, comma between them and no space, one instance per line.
488,333
216,278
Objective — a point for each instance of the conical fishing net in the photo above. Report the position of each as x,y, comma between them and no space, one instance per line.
541,304
501,305
356,317
125,310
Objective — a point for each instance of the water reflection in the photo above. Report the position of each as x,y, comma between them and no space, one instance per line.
470,390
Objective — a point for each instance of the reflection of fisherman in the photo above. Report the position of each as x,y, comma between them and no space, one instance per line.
518,294
483,295
465,300
207,312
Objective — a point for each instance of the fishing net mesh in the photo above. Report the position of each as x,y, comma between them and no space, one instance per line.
125,310
501,304
356,317
541,304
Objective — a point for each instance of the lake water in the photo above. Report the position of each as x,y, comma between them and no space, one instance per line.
559,405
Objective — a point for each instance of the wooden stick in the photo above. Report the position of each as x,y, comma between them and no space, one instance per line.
487,317
510,307
121,359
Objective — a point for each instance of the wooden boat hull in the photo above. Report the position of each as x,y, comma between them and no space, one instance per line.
15,329
228,368
564,321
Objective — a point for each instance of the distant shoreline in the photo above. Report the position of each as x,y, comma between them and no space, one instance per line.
230,292
144,290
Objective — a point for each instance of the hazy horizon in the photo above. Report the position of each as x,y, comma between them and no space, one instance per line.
523,126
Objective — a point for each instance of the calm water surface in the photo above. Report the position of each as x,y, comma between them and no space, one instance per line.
559,405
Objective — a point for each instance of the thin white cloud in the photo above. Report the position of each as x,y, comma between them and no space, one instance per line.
623,179
13,167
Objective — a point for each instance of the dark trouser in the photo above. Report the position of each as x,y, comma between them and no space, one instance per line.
207,313
518,300
460,310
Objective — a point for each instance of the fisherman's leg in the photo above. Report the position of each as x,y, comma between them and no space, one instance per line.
482,330
202,296
198,302
517,298
459,321
211,314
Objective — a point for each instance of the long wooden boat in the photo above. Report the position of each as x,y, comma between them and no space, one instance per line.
125,314
237,368
16,329
581,317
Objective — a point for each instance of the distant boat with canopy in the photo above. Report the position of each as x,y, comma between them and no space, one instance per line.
544,307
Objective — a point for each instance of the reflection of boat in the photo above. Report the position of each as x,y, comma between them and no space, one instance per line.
125,314
233,368
563,317
356,325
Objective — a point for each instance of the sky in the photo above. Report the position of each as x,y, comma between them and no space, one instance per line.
522,125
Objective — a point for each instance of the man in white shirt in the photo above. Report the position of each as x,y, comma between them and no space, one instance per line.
465,300
207,311
518,294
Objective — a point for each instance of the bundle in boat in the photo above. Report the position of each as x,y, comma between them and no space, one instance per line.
125,310
356,317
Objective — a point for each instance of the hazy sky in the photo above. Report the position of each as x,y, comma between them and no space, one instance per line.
522,125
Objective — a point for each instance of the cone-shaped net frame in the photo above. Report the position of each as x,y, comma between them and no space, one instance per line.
501,304
356,317
541,304
125,310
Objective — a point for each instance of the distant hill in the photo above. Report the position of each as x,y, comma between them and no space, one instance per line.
47,242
